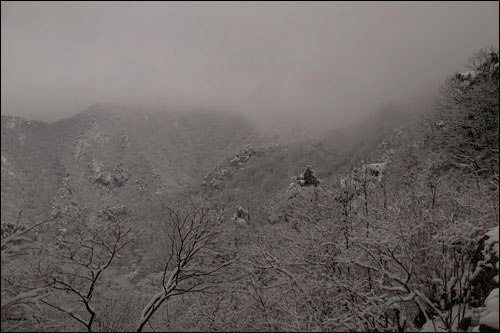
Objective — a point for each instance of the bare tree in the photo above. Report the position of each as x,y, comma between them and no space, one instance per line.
193,262
76,263
469,105
18,302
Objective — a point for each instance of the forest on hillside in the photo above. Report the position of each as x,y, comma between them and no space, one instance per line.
393,231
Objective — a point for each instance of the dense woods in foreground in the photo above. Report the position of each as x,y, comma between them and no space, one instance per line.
403,238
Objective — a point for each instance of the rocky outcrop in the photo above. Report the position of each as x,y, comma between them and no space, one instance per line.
91,146
241,216
112,213
99,175
216,178
242,157
94,135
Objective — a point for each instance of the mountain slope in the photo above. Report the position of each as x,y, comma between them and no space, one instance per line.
109,155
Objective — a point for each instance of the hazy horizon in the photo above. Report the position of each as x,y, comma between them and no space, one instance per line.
321,62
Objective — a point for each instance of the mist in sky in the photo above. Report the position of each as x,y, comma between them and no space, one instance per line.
325,62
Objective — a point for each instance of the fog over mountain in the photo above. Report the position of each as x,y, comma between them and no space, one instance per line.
315,62
248,167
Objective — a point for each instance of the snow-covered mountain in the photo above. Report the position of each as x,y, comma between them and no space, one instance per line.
109,155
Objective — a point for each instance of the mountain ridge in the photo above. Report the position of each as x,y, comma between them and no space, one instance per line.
109,155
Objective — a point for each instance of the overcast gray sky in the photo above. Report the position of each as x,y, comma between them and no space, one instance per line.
327,60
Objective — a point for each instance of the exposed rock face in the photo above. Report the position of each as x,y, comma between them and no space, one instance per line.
98,174
215,179
94,135
242,216
110,213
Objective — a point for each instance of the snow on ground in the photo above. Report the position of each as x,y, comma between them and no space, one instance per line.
430,324
469,74
492,236
493,246
490,315
436,325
